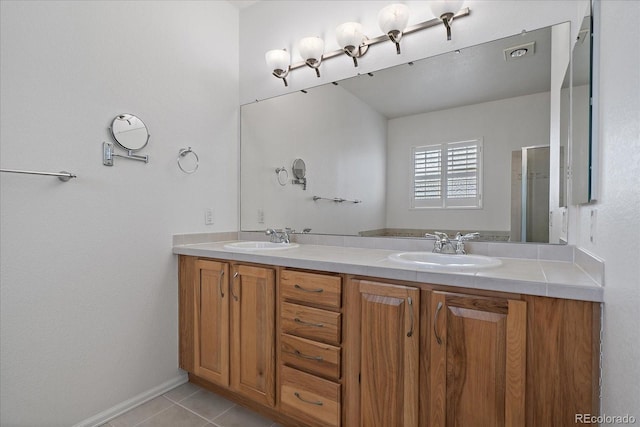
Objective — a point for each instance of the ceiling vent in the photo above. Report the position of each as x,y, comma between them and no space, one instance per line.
517,52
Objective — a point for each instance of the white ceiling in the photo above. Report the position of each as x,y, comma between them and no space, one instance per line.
474,75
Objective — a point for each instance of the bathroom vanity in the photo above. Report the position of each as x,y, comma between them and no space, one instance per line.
338,336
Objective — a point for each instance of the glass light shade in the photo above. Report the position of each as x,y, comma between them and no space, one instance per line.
349,34
311,48
440,7
278,59
393,18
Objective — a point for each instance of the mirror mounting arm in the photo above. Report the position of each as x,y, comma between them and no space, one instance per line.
108,154
301,181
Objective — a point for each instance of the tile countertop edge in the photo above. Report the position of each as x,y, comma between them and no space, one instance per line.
377,267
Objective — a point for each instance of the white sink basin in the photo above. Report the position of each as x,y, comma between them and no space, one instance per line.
451,262
259,246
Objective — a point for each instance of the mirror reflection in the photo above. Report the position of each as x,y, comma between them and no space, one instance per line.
581,115
437,144
129,132
299,168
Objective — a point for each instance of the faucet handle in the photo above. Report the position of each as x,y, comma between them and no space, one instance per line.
468,236
438,236
441,235
460,238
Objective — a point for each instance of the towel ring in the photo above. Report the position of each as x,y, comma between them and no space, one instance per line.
182,154
286,176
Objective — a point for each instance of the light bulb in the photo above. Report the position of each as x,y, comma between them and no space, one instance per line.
278,61
393,20
444,7
349,34
311,48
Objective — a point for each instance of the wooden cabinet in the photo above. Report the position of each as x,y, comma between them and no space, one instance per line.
384,326
478,361
310,347
319,349
211,321
311,399
253,333
227,326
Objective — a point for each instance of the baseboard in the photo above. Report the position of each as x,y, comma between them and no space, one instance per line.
121,408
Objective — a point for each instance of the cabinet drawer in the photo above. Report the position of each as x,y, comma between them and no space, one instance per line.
313,288
318,358
312,323
304,395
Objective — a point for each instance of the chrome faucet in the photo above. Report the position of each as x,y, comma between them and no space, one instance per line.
460,239
442,243
279,236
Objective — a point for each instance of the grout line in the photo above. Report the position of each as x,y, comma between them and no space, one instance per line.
203,417
157,413
224,412
546,280
179,405
186,397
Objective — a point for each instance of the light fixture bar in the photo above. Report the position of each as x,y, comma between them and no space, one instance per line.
385,38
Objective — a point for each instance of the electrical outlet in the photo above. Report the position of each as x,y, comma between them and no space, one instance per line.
260,216
208,216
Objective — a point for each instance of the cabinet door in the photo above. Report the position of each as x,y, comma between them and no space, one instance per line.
389,343
253,333
477,361
211,322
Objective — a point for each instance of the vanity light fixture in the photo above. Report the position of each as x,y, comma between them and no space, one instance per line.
311,50
278,61
393,20
446,10
350,37
354,43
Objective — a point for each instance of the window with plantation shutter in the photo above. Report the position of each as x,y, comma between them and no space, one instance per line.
448,175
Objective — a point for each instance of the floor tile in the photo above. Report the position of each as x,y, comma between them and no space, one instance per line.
175,416
141,413
241,417
207,404
182,392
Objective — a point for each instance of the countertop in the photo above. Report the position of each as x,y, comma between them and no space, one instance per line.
524,276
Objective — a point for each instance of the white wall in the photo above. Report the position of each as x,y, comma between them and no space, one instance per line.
89,283
617,218
504,126
344,148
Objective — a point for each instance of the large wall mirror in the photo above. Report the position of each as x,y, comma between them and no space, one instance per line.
456,142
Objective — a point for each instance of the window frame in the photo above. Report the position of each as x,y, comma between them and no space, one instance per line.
444,202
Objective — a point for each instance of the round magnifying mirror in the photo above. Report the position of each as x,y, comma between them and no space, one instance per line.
129,132
299,168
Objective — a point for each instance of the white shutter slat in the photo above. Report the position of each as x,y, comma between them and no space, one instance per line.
448,175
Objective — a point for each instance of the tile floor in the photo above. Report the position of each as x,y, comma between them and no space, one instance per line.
190,406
